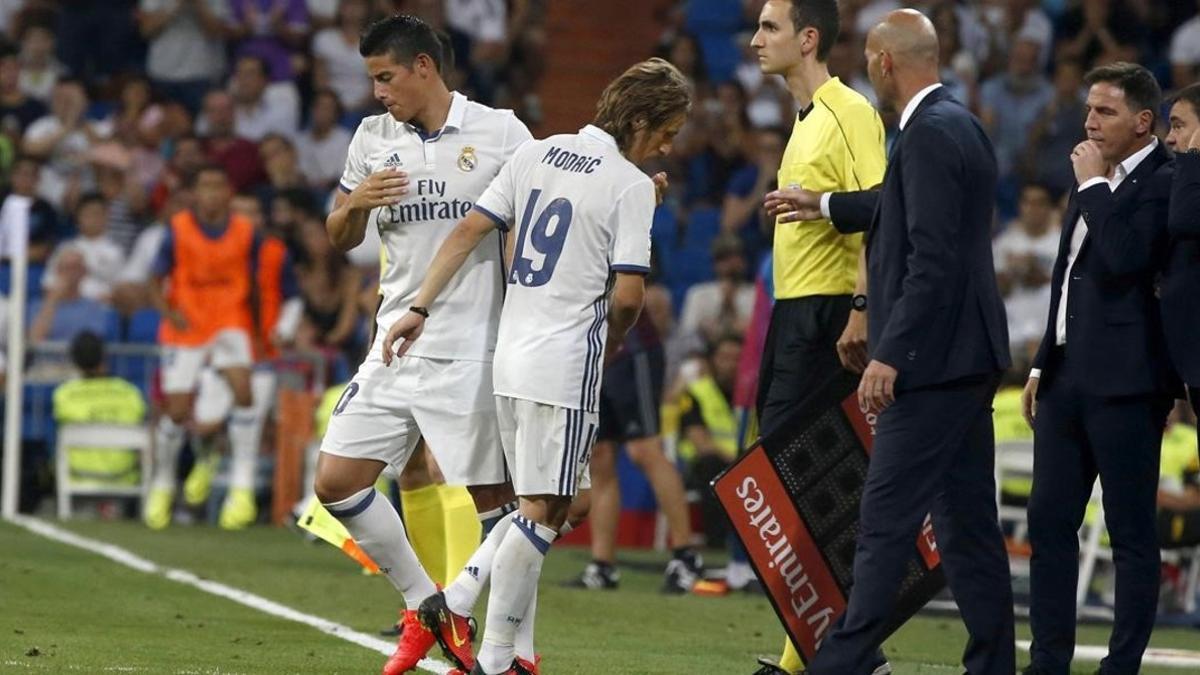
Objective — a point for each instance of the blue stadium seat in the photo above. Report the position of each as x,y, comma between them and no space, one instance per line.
33,288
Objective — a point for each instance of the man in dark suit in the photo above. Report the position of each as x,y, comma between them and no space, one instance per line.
1102,383
1180,290
938,343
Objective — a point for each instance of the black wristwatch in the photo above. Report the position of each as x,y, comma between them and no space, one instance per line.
858,303
419,310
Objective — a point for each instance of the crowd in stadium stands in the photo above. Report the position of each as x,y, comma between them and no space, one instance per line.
103,135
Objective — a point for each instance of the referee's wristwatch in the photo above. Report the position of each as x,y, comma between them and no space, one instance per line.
858,303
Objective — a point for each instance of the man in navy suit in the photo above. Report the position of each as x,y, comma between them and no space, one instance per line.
938,343
1102,385
1180,289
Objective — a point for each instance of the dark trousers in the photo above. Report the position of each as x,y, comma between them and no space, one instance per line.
1194,397
799,355
1077,437
934,453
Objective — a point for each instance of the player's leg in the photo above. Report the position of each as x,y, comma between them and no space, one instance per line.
457,413
422,505
180,374
547,446
213,403
372,426
686,565
232,357
515,574
605,513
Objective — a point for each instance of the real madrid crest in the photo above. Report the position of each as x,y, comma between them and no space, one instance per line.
466,159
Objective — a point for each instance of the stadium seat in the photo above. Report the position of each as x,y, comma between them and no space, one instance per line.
119,438
1014,462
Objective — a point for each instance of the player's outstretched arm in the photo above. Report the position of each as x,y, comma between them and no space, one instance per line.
347,223
449,259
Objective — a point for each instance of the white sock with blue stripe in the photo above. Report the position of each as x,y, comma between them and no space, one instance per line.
463,592
515,573
377,528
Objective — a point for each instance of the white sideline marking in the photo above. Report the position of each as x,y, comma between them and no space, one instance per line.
124,557
1169,658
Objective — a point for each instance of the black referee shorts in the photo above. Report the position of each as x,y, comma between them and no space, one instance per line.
800,353
630,396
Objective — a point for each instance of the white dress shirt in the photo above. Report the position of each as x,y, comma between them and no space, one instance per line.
1080,233
904,117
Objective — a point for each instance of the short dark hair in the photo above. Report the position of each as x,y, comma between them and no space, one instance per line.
404,37
713,345
263,66
1141,89
207,167
1191,94
87,351
90,198
822,15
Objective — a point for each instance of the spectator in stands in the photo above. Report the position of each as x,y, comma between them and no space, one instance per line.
279,159
479,34
63,139
1024,257
139,266
742,211
323,146
260,107
336,62
958,68
238,156
96,397
64,313
17,109
44,224
187,157
102,257
721,306
708,428
329,287
1012,101
186,53
270,30
1057,131
323,13
97,39
1185,51
127,199
39,69
1100,31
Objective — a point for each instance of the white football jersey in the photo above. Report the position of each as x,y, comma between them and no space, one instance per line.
581,212
447,171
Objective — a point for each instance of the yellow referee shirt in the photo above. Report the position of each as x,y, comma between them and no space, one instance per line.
836,146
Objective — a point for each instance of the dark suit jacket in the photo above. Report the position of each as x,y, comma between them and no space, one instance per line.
1180,290
1114,322
935,313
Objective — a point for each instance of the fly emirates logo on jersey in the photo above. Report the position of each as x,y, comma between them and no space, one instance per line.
428,204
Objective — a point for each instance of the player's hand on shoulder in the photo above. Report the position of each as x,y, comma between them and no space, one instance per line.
381,188
405,331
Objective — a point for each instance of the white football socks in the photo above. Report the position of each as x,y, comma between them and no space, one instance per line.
516,570
377,528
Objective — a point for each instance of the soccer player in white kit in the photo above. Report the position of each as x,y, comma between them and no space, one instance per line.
415,171
581,248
